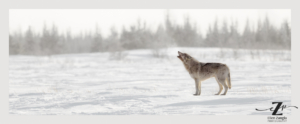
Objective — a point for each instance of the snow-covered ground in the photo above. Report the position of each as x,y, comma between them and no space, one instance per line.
142,84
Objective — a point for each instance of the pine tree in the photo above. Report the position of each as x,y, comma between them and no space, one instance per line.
45,41
224,35
285,32
248,36
29,45
97,41
234,40
13,45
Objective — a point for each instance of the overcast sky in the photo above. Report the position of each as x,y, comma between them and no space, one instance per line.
85,20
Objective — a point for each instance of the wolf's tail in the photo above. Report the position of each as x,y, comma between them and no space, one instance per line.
229,81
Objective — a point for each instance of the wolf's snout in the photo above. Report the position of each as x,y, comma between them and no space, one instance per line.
179,52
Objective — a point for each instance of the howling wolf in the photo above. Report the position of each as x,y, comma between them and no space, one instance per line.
201,71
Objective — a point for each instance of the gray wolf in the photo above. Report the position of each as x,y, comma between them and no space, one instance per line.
200,71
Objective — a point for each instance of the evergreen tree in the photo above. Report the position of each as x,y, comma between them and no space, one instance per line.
97,41
224,35
13,45
248,36
285,32
29,46
45,41
234,40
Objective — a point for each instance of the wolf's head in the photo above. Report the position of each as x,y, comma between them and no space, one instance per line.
185,58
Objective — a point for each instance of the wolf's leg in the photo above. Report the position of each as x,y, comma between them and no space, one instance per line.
196,87
199,88
220,87
222,81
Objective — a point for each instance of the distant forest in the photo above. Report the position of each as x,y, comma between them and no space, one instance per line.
49,41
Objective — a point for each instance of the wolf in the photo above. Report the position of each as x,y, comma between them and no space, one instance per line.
200,71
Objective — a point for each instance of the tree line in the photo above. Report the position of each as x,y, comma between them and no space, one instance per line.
139,36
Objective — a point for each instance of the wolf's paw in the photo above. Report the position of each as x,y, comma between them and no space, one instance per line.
223,94
196,94
217,94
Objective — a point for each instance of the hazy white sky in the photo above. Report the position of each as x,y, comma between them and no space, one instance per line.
85,20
